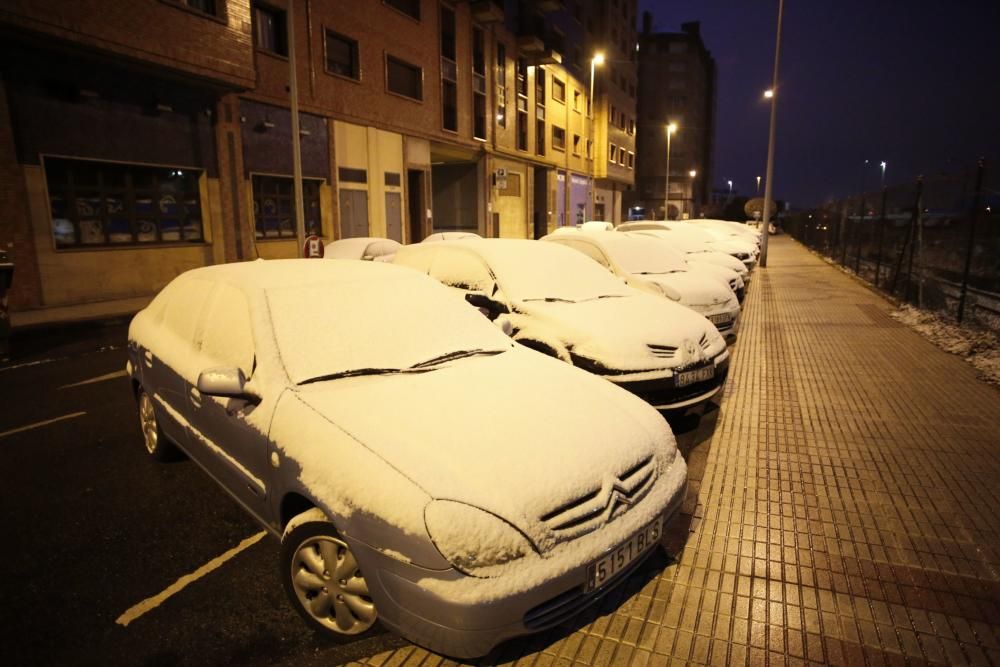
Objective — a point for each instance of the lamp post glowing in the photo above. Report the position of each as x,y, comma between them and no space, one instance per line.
671,128
730,188
882,164
692,174
768,176
758,185
769,93
595,62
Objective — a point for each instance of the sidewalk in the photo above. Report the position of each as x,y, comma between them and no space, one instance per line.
849,509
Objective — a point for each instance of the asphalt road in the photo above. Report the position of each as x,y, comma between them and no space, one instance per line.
95,527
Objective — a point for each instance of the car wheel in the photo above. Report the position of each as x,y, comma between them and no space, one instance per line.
323,579
156,443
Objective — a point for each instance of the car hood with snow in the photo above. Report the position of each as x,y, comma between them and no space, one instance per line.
451,448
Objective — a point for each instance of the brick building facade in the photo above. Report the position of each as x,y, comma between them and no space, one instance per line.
145,138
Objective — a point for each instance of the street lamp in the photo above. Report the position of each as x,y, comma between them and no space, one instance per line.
769,181
882,164
730,188
769,93
671,128
692,174
758,185
595,62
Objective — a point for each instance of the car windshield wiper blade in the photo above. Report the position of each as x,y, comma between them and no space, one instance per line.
451,356
354,372
550,299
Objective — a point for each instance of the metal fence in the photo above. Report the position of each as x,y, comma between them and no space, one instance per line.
934,243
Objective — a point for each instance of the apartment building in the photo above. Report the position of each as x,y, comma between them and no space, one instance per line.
145,138
676,85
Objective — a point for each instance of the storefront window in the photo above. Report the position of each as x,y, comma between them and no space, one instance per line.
274,210
97,204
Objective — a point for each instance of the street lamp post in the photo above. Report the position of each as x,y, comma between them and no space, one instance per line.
768,176
730,189
692,174
882,165
758,185
595,62
671,128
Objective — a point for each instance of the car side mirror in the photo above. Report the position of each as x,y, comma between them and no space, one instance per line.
491,308
222,382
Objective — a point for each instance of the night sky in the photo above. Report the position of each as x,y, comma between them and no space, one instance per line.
912,83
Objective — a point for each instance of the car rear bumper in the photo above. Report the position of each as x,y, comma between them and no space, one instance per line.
440,610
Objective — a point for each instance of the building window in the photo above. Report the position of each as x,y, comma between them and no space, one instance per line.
342,56
478,83
350,175
204,6
631,160
111,204
393,179
576,144
539,111
631,126
501,77
409,7
558,138
612,153
274,207
269,31
590,148
522,104
558,90
576,100
621,156
449,71
403,78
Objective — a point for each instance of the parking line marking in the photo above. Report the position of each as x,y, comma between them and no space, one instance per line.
152,603
42,423
99,378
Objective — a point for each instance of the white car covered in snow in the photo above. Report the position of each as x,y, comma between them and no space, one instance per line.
368,248
698,252
558,302
379,427
450,236
651,265
745,251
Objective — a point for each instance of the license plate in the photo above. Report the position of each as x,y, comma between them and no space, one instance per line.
697,375
618,559
720,318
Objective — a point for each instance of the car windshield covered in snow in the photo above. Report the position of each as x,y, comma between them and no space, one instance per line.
530,271
392,323
642,256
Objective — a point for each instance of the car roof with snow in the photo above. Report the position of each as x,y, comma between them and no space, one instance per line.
633,252
274,273
363,247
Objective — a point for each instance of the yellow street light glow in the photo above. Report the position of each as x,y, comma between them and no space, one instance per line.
768,93
598,58
693,173
671,128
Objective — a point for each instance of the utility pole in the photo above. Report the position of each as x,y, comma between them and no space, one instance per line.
293,88
769,175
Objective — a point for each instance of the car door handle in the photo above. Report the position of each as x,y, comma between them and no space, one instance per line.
148,356
195,397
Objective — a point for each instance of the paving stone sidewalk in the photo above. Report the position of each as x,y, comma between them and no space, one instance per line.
845,508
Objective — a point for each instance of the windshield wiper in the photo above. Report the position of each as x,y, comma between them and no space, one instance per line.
550,299
451,356
354,372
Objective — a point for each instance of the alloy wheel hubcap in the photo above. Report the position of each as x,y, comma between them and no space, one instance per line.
147,421
329,585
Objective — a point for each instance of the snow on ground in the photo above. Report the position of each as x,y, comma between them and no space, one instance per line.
980,348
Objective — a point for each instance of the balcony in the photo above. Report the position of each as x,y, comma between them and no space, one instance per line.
486,11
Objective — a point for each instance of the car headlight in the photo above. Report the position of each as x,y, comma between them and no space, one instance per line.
474,541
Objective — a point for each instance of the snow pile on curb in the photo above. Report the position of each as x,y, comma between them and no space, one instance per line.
980,348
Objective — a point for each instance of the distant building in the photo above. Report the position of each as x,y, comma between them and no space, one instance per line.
142,139
676,85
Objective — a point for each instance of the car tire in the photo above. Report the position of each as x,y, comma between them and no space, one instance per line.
156,442
323,579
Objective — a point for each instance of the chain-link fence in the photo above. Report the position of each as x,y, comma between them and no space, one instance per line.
934,243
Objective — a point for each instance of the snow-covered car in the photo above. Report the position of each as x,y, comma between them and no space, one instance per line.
739,229
450,236
342,405
556,301
697,251
367,248
742,250
651,265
